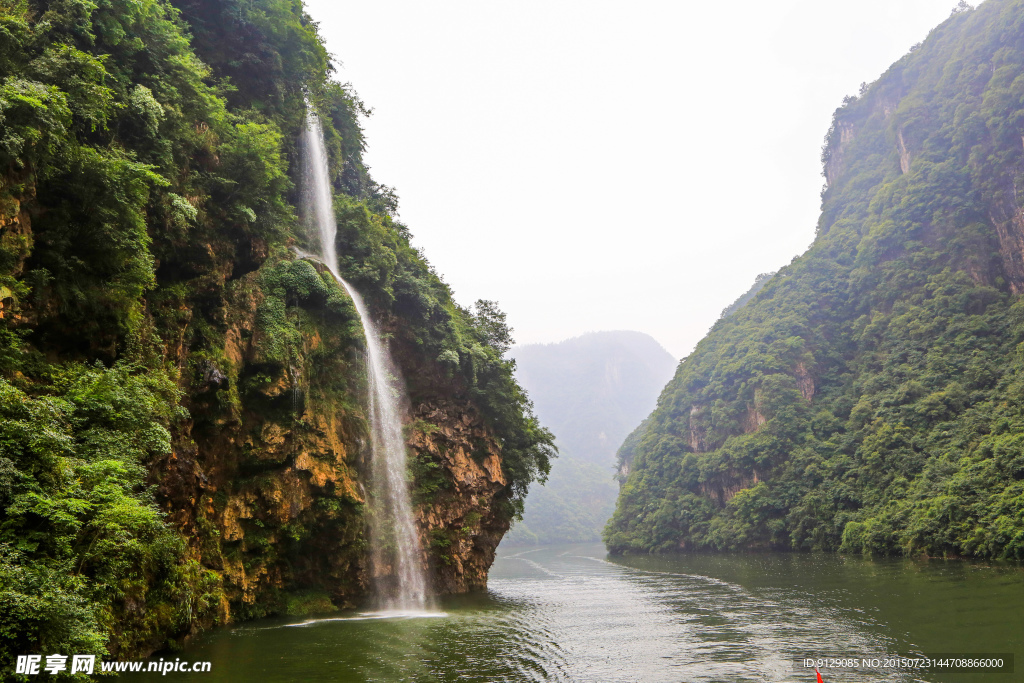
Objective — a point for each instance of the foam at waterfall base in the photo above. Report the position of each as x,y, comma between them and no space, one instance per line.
395,614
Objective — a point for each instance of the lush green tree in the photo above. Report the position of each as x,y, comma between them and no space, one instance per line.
148,188
866,398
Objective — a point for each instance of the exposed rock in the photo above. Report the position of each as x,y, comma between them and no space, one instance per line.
724,487
837,149
16,239
213,378
1007,216
462,526
698,429
265,480
804,382
754,419
901,146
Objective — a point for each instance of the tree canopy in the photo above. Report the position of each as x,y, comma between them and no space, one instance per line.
148,184
867,398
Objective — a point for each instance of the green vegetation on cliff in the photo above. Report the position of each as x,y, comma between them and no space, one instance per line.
869,397
167,368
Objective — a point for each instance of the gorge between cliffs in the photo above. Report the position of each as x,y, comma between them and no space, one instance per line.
244,421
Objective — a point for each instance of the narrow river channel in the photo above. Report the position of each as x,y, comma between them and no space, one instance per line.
570,613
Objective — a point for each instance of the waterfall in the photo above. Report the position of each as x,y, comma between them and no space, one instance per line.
394,543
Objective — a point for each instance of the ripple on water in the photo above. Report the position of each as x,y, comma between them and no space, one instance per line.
571,615
368,616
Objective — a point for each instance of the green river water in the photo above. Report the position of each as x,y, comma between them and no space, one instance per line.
570,613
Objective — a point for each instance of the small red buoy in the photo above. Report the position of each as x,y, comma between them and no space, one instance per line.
819,675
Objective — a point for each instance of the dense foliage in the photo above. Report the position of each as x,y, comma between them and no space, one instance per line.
759,282
572,506
84,548
868,398
147,200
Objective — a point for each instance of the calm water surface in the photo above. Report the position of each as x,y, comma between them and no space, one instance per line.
569,613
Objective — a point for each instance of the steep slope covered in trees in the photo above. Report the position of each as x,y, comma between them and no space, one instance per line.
182,423
589,391
869,397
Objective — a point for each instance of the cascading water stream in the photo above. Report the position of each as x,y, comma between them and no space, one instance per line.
393,538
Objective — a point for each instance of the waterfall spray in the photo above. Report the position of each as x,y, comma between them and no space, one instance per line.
394,542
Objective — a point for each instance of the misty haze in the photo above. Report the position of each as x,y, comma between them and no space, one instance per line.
465,341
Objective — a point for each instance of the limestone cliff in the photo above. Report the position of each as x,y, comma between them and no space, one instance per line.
267,477
182,400
867,398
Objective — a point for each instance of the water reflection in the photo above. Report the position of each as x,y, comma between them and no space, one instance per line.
653,622
569,614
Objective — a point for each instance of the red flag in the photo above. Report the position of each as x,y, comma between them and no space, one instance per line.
819,675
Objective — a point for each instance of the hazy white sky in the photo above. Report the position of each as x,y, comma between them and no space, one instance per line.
610,165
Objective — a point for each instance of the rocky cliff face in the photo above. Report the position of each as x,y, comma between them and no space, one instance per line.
200,388
866,398
462,522
267,478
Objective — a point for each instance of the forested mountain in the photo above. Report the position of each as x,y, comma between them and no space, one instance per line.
870,398
182,423
589,391
759,282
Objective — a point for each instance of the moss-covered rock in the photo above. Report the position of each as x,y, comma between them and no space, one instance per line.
182,430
